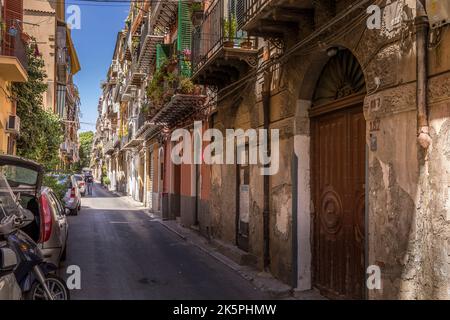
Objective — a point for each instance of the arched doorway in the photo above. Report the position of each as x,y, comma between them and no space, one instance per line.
338,158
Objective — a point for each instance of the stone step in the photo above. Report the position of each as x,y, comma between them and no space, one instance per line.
234,253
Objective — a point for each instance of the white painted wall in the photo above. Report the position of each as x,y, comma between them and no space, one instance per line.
302,150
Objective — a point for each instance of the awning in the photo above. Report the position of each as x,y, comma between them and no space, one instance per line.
74,62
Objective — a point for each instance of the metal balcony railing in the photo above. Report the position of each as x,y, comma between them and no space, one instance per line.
14,46
163,14
247,10
217,32
149,41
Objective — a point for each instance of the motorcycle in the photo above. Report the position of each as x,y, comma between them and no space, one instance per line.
33,275
9,288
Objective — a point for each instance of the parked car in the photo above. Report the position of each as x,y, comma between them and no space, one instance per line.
50,227
72,197
81,184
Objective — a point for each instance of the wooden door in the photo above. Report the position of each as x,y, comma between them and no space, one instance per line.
338,178
243,206
141,174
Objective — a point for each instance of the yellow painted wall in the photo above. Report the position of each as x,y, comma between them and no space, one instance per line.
5,111
40,18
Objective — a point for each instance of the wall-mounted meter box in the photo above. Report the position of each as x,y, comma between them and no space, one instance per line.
438,12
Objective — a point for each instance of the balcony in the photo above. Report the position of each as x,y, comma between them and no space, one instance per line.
109,147
116,94
178,108
172,94
113,110
145,128
273,18
220,52
127,45
114,68
137,76
133,140
149,41
163,14
13,60
129,91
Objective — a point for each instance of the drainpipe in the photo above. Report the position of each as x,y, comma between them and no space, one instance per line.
266,211
422,29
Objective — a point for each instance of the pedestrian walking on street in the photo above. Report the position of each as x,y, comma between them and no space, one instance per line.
89,180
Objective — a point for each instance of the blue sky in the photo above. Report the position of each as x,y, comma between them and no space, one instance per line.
94,43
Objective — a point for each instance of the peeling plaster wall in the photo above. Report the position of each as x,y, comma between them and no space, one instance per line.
408,191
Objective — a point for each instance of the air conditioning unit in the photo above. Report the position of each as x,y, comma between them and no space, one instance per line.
438,12
63,147
13,125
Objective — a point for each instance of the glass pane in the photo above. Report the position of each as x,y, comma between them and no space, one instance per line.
19,176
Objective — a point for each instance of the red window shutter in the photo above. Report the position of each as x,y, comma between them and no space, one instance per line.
13,15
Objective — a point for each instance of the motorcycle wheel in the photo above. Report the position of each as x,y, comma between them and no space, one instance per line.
56,285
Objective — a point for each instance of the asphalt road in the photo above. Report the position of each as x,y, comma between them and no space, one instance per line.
124,254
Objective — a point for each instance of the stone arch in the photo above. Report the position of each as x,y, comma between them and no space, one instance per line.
317,64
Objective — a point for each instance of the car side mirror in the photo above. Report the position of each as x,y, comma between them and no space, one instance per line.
8,259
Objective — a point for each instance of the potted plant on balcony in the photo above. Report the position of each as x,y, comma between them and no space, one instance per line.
136,42
246,43
186,86
170,82
196,11
229,31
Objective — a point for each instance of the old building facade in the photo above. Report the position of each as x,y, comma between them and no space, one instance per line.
359,92
13,65
45,22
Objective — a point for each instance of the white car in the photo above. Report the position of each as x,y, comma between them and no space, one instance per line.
50,226
81,184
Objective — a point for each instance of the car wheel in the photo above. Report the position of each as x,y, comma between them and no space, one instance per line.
57,288
74,212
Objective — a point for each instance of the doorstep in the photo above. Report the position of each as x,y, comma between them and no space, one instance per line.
217,249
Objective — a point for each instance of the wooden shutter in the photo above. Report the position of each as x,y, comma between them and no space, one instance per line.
162,54
13,16
184,40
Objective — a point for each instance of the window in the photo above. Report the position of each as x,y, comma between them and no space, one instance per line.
54,205
19,176
58,203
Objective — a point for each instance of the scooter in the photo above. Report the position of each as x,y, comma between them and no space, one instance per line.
9,288
33,275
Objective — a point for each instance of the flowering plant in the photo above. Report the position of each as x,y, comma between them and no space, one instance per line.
187,53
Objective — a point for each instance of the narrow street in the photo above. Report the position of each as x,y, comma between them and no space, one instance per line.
124,254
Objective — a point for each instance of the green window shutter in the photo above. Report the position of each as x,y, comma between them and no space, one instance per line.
184,40
162,54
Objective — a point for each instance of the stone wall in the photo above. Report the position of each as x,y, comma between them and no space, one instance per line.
408,191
